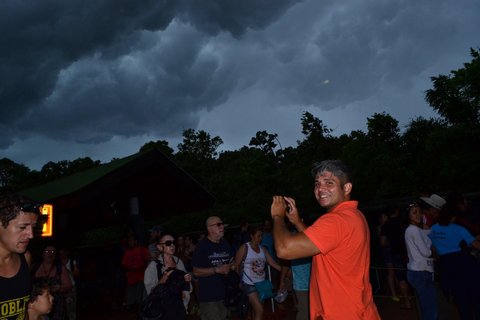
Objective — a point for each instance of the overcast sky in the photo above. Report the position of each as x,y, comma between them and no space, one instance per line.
101,78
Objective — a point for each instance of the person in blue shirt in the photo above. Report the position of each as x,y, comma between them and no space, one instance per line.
460,272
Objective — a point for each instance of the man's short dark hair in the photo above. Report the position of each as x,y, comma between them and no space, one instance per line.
336,167
38,286
242,222
447,212
134,236
12,205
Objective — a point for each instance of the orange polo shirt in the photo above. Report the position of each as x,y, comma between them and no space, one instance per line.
340,282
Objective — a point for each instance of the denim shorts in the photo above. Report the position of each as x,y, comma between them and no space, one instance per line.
248,289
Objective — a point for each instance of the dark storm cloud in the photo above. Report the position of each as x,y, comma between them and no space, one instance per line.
88,71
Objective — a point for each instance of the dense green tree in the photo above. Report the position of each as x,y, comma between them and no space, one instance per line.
56,170
160,144
12,176
456,97
197,154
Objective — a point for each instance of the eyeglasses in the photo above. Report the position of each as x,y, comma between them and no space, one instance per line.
26,207
219,224
169,243
49,251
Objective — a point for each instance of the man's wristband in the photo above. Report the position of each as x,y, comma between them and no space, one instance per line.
214,270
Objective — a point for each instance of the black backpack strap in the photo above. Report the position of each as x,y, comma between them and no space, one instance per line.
159,269
59,270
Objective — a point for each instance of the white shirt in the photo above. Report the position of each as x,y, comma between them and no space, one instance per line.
419,248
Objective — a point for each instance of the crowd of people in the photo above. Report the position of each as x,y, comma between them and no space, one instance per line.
428,245
433,246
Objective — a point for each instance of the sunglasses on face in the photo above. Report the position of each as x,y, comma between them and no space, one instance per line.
26,207
218,224
168,243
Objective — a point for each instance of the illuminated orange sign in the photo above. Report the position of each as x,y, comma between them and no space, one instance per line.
47,230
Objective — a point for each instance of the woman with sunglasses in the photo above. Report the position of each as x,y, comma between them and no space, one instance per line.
167,262
420,264
54,271
255,260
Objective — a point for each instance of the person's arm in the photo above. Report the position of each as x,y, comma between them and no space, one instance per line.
415,241
76,271
66,285
384,241
240,256
272,262
206,272
150,279
475,244
289,246
283,273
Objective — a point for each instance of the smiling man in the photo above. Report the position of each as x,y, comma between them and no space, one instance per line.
339,242
18,217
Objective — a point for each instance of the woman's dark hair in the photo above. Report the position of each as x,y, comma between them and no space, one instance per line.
252,230
446,213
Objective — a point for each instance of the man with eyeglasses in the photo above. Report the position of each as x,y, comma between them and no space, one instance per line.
18,216
211,262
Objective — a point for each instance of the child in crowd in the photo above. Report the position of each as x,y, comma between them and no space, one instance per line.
41,301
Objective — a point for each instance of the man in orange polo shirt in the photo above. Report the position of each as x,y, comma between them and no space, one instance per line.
339,242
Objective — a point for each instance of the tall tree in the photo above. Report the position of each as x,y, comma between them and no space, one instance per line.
197,154
456,97
12,176
160,144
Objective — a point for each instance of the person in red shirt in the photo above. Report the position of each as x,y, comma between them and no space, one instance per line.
339,242
134,263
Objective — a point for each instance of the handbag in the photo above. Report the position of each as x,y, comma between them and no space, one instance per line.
264,289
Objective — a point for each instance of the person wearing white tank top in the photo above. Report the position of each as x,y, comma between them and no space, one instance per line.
255,259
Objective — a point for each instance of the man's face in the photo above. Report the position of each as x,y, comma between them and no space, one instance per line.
16,236
131,242
154,234
44,302
329,192
216,230
268,226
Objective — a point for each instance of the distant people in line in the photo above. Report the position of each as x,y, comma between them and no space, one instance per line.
134,263
158,273
190,243
155,233
420,269
41,300
432,206
54,271
241,236
301,270
180,247
18,217
211,262
339,242
73,272
255,259
470,212
459,272
393,236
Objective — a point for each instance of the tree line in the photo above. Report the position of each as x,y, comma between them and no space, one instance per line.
440,153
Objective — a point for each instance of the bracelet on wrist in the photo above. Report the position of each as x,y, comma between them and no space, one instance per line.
214,270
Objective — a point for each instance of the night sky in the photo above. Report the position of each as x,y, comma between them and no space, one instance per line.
101,78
